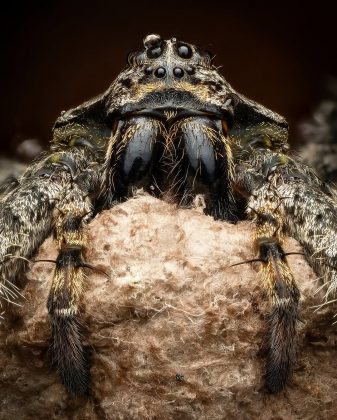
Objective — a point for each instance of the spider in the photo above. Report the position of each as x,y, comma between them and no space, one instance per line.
172,125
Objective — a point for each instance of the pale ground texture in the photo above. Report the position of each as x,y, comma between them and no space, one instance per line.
171,305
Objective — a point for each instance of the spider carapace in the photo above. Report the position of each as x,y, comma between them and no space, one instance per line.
169,123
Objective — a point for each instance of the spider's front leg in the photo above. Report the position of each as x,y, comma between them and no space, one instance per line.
55,194
64,302
278,280
285,197
74,209
27,213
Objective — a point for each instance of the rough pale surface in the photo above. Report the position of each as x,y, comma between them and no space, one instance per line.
171,305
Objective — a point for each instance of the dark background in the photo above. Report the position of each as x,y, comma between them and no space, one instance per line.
58,54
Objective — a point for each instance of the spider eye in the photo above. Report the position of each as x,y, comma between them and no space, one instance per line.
160,72
184,51
154,52
148,71
190,70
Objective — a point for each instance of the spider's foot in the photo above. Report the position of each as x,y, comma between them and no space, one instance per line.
280,342
280,345
69,354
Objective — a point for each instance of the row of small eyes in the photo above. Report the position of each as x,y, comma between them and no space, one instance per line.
184,51
160,72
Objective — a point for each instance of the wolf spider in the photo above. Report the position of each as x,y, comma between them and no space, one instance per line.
171,124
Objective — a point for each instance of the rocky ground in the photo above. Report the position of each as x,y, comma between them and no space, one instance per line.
173,331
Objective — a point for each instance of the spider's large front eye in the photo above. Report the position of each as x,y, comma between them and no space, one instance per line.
153,45
184,51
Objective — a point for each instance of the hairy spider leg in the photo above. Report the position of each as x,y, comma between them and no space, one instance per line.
286,197
281,288
64,301
26,218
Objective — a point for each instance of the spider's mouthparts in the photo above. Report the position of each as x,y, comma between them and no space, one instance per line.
174,113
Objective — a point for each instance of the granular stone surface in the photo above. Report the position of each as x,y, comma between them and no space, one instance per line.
173,331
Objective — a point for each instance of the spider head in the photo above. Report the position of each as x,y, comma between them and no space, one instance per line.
172,61
171,75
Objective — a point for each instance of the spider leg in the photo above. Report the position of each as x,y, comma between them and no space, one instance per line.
66,290
26,217
75,206
286,197
281,288
58,193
